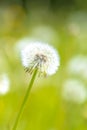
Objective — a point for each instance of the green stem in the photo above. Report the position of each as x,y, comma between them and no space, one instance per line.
25,99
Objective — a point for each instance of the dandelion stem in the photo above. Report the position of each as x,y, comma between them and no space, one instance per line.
25,99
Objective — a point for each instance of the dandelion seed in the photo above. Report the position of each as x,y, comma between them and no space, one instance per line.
4,84
42,56
74,90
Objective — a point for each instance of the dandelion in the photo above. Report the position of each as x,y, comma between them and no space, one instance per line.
74,90
4,84
74,29
78,66
44,33
21,44
39,58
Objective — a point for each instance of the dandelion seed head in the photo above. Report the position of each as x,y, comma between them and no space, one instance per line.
74,90
4,84
44,33
42,56
78,66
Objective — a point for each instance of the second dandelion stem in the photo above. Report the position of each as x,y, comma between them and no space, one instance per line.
25,99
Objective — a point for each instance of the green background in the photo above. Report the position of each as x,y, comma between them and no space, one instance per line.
65,24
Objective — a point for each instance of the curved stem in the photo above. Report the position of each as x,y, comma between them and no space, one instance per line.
25,99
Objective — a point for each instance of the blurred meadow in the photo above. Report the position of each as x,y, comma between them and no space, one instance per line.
57,102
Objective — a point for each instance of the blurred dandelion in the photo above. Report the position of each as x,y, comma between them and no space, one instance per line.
79,20
4,84
74,29
78,66
45,33
20,45
39,58
74,90
77,27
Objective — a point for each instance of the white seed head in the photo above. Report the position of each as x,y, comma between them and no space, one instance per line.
4,84
42,56
44,33
74,90
78,66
